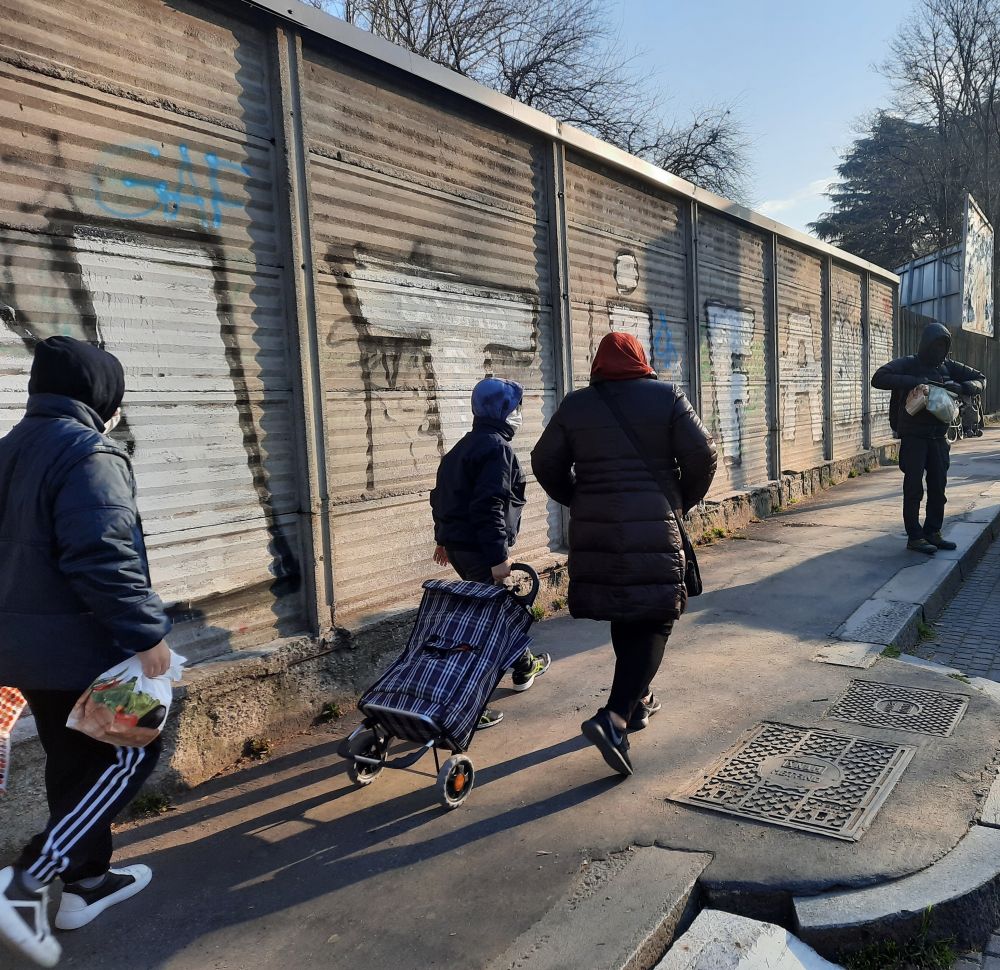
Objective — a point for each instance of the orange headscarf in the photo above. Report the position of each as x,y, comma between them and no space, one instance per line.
620,357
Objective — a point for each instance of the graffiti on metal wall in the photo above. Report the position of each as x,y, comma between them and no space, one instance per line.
143,181
730,349
423,343
848,354
801,369
109,270
652,330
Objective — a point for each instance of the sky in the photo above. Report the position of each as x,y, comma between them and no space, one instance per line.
802,74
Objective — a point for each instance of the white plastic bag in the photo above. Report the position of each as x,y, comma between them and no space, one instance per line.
942,404
124,707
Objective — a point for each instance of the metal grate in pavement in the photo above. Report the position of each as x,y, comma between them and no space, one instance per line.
829,784
900,708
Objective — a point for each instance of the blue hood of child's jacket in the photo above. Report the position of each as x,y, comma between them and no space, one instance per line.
495,398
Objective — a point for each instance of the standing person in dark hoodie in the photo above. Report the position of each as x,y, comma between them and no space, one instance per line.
924,449
626,554
75,599
477,505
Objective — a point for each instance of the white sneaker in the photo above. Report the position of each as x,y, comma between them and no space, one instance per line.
24,921
80,905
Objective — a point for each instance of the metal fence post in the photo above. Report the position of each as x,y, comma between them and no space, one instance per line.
828,442
562,308
298,281
866,360
774,352
693,308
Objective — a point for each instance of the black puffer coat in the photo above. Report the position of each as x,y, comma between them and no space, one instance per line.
626,561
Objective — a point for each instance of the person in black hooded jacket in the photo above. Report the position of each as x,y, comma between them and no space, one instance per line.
626,553
924,450
75,599
477,505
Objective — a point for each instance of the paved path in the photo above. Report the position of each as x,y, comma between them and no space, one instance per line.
968,638
968,631
287,864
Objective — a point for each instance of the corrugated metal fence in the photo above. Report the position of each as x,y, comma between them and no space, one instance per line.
306,255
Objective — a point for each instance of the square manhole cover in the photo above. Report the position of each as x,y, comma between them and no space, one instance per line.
830,784
900,708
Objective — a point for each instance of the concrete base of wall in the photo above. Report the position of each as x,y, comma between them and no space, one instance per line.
280,689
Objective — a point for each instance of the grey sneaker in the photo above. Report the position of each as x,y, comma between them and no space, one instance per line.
524,672
490,718
644,710
922,545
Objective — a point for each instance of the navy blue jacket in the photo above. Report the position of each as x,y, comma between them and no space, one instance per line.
75,593
479,494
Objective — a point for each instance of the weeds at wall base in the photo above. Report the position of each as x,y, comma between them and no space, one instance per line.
918,953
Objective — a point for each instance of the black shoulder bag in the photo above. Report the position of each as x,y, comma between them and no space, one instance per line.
692,574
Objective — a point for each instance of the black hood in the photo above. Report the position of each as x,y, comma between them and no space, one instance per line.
77,369
930,354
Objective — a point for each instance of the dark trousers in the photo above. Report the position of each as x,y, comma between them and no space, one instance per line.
638,654
920,458
473,568
87,783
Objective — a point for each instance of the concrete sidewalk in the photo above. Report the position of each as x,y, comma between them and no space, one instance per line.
287,864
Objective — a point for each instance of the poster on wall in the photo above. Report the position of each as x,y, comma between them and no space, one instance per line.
977,271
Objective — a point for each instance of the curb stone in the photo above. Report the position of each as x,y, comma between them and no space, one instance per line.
962,891
623,915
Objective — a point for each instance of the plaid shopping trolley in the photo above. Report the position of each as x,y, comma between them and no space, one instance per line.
465,638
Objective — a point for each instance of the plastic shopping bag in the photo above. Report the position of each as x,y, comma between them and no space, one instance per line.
916,400
942,404
12,703
123,706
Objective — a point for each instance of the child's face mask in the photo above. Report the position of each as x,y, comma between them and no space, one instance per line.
515,419
112,422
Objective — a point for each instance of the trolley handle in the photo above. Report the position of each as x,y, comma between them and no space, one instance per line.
526,599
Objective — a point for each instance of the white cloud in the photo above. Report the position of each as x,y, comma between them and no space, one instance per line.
813,192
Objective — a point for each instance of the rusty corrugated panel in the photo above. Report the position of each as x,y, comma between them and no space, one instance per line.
430,276
734,292
153,233
848,363
627,263
184,56
880,336
800,358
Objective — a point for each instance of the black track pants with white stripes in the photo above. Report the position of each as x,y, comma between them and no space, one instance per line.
88,783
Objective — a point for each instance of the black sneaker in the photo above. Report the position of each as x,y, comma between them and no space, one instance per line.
612,743
644,710
524,672
922,545
80,905
489,718
940,542
24,920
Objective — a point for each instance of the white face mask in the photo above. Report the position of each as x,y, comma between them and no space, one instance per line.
514,420
112,422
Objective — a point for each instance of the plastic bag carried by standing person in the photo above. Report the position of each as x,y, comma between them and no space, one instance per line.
124,707
916,400
12,702
942,404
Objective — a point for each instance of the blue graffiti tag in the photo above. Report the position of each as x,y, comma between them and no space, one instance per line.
667,358
187,192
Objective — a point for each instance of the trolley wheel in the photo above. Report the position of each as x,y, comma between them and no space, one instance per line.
367,745
455,781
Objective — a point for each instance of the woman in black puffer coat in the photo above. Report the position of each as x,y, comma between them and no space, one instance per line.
626,559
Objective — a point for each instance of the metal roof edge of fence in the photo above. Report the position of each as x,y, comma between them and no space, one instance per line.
341,32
